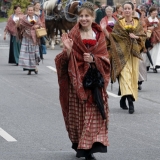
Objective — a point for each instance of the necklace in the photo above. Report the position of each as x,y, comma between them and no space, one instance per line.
85,30
129,21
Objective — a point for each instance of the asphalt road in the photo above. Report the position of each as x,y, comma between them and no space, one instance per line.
32,126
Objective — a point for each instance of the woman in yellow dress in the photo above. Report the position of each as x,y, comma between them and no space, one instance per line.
127,40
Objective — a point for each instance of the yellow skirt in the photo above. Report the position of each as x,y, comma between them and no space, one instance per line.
128,79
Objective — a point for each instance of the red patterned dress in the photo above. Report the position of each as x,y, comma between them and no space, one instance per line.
87,130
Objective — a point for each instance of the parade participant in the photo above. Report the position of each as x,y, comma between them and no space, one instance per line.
87,130
135,13
153,24
40,13
119,11
142,63
109,19
14,49
99,14
127,41
29,54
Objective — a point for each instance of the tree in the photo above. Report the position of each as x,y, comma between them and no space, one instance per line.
22,3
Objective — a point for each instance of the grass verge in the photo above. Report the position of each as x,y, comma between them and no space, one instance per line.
3,19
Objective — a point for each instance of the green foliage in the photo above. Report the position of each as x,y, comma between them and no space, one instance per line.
22,3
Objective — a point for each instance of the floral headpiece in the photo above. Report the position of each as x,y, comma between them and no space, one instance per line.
87,5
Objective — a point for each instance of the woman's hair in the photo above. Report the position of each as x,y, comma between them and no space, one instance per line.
152,9
118,6
130,4
89,7
36,3
15,7
109,8
30,6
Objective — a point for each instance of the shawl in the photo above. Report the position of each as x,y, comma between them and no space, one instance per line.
26,29
121,46
155,37
11,26
72,70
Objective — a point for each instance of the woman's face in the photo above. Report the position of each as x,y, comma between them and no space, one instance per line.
30,11
109,13
127,10
18,10
120,9
154,14
37,6
85,19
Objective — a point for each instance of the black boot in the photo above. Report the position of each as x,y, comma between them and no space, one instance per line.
130,103
140,85
90,157
123,103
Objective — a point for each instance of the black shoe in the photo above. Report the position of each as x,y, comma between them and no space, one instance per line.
130,103
147,68
139,87
155,70
29,72
36,71
90,157
123,103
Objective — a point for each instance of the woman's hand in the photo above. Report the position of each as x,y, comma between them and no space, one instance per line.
151,28
103,25
4,37
36,27
88,58
67,42
133,36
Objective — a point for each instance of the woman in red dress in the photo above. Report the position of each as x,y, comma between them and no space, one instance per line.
84,46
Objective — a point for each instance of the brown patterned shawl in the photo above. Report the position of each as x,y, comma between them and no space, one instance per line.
26,29
74,69
121,46
155,37
11,25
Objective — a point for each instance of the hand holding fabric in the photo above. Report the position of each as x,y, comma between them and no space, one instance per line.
87,57
133,36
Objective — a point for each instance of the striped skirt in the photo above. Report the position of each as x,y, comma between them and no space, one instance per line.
28,54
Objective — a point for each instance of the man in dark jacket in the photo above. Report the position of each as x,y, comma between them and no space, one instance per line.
99,14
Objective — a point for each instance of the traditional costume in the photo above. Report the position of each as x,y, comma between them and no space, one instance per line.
87,130
42,45
155,40
14,49
143,61
29,54
125,55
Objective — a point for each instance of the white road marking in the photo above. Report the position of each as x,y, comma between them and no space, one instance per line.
52,68
109,93
6,136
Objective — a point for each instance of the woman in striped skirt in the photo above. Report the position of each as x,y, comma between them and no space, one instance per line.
29,54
